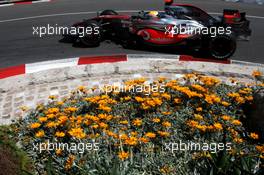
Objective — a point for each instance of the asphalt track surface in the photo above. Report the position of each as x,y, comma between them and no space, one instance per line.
18,45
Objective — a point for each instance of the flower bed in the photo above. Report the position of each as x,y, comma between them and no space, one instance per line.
145,128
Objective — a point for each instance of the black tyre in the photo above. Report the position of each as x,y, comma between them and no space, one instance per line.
93,38
108,12
222,47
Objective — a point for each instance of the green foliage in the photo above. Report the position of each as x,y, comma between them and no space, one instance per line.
8,144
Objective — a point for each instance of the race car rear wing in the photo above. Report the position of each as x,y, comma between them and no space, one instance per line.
232,16
238,22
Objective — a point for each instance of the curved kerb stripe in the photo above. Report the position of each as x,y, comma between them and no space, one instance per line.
63,63
24,2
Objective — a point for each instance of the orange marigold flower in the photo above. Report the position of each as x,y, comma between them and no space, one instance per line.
249,98
145,107
233,95
211,99
53,110
51,125
162,79
166,124
198,117
201,127
63,119
199,109
260,148
82,88
155,94
132,141
245,91
240,100
59,134
166,113
218,126
70,109
77,132
192,123
52,97
42,119
254,136
166,96
224,103
69,162
238,140
188,76
111,134
157,101
137,122
134,133
256,74
177,100
156,120
150,135
58,152
226,117
124,122
236,122
104,108
95,126
143,140
103,125
93,118
50,116
139,99
123,155
199,88
123,136
209,81
60,103
35,125
127,98
164,133
165,170
40,134
210,128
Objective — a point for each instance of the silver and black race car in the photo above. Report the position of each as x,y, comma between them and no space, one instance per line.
179,26
230,18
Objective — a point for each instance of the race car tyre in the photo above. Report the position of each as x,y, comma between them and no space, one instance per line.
68,39
222,47
109,12
92,39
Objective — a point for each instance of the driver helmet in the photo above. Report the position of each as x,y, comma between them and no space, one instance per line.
153,13
168,2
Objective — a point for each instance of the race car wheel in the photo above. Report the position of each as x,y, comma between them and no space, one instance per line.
222,46
109,12
93,38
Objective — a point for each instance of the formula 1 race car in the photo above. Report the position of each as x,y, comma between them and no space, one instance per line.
180,26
